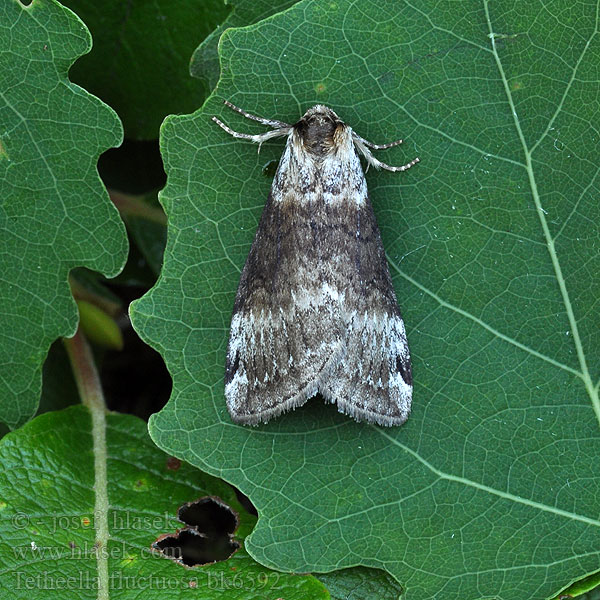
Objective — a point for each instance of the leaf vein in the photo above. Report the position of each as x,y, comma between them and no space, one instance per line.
585,374
483,324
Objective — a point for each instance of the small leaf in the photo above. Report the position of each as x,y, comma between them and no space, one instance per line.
586,589
99,327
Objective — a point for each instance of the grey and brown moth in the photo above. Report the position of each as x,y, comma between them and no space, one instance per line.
315,310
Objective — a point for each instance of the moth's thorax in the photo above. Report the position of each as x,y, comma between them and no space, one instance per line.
320,165
321,132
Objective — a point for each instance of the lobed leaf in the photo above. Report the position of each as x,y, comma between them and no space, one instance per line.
491,487
55,213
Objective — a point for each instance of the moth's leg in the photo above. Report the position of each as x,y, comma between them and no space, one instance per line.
276,124
381,165
371,160
258,138
376,146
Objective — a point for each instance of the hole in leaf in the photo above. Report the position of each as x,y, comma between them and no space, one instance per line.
207,537
191,548
209,515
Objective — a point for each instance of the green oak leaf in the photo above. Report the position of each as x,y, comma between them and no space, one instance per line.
205,60
140,61
491,489
56,537
54,213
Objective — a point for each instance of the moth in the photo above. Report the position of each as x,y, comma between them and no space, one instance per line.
315,310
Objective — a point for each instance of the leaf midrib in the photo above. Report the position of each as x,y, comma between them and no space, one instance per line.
585,374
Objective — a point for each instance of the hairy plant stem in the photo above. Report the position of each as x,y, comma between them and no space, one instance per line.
90,392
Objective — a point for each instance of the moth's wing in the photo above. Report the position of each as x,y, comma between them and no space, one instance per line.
285,337
315,309
373,380
270,367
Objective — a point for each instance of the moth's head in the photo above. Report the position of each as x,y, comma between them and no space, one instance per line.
320,130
